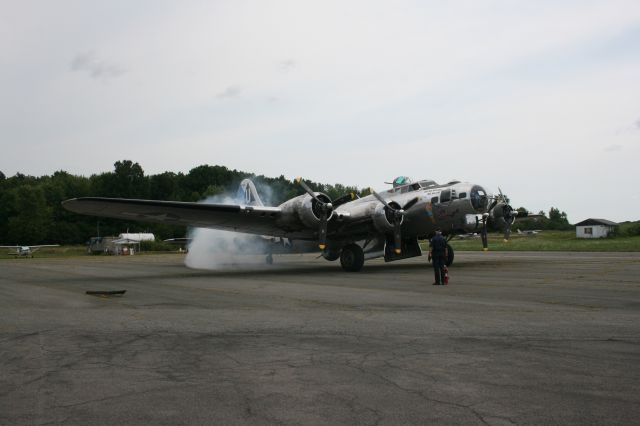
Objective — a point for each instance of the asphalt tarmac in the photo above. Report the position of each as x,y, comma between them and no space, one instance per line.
516,338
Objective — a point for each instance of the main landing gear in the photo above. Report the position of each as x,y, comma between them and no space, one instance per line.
352,258
449,259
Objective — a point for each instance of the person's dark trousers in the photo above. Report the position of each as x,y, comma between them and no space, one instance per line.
438,267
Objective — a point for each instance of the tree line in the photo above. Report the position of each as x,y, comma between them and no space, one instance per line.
555,220
31,210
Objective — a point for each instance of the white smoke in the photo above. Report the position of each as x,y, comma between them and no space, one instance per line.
218,250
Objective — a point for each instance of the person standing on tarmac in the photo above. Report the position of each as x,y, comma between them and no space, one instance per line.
438,253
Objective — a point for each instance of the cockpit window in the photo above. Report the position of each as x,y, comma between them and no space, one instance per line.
428,183
405,188
445,196
400,180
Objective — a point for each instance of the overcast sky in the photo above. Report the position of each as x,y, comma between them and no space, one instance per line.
541,98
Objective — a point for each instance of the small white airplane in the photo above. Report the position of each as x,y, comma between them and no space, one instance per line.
468,235
529,231
26,251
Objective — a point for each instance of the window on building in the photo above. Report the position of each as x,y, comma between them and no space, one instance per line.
588,231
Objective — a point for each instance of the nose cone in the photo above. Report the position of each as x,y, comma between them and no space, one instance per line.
479,198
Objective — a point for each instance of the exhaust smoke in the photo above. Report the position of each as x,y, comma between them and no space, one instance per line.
213,249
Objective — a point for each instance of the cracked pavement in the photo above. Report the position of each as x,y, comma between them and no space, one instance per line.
517,338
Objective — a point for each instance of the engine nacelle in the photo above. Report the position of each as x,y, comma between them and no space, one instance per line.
303,211
502,211
383,217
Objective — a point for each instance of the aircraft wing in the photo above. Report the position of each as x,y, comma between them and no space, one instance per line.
36,248
11,247
258,220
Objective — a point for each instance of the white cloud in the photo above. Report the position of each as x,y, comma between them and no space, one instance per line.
230,92
96,68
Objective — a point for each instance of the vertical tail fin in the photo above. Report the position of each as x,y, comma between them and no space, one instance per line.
248,194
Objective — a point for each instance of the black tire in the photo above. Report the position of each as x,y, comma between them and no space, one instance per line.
352,258
450,256
331,255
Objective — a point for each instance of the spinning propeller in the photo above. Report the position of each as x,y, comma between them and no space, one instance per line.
325,209
395,215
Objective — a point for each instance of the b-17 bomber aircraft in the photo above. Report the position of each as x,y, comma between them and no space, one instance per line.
26,251
388,224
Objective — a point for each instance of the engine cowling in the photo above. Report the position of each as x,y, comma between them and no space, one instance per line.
502,214
303,211
383,217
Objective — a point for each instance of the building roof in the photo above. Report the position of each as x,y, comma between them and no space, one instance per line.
593,222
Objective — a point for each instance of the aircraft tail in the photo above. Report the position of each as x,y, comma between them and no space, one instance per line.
248,194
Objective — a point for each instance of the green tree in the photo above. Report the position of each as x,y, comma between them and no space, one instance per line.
200,178
126,181
165,186
28,216
540,222
68,228
558,220
130,180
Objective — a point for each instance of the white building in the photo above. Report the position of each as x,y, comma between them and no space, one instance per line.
127,243
137,237
594,228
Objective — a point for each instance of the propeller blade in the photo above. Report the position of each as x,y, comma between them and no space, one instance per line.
322,233
501,213
507,231
398,214
308,190
483,234
344,199
410,204
325,213
379,197
397,238
508,216
503,197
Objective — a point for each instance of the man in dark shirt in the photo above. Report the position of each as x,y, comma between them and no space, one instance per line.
438,254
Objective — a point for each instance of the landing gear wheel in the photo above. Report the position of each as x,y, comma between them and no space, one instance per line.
331,255
269,259
352,258
449,260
